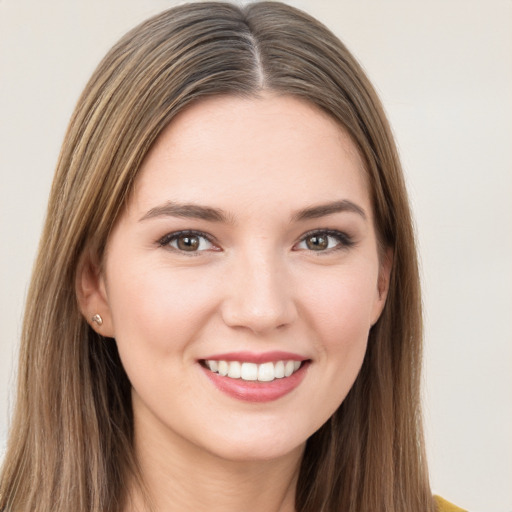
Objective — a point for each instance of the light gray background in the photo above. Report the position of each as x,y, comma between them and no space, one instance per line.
444,71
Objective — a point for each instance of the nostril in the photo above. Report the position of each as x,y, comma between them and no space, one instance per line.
258,317
258,294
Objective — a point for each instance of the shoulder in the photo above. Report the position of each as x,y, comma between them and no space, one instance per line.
446,506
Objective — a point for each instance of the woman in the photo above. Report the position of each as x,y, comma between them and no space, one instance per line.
225,311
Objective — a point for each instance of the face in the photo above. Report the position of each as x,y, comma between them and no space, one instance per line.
243,277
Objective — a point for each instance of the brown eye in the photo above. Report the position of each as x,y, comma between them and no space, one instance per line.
324,241
187,242
317,242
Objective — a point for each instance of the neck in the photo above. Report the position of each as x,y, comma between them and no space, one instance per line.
179,477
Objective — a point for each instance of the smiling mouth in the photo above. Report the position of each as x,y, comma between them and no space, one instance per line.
264,372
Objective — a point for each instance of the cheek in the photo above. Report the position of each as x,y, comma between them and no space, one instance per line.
340,317
341,303
155,311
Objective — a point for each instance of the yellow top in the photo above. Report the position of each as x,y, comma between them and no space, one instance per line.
446,506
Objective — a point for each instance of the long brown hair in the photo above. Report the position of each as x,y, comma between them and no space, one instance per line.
70,445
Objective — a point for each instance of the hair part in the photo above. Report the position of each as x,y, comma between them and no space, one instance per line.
71,439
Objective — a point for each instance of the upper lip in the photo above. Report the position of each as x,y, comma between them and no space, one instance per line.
256,357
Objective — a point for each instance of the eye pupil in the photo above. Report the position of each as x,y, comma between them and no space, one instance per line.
188,242
317,242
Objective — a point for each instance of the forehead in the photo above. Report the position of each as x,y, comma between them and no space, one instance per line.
228,151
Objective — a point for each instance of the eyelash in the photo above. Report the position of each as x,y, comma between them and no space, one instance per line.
170,237
344,240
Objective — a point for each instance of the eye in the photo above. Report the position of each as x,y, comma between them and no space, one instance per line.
325,240
187,241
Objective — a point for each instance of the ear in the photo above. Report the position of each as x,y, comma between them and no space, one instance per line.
92,294
386,264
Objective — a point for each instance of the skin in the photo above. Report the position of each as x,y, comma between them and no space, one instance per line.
256,286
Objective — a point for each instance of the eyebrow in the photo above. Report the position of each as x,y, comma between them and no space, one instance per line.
208,213
322,210
190,211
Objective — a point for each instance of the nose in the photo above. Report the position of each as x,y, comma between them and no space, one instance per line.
259,295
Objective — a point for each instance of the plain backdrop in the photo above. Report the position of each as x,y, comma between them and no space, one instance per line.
443,69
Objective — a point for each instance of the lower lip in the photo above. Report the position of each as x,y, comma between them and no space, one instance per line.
255,391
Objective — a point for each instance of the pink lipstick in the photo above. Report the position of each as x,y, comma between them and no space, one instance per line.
256,377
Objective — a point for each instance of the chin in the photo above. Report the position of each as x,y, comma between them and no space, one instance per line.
257,452
259,443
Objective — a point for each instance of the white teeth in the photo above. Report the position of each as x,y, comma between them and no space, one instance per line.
288,368
249,371
265,372
235,370
223,368
279,370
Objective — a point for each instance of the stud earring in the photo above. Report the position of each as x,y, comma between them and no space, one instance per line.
97,318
